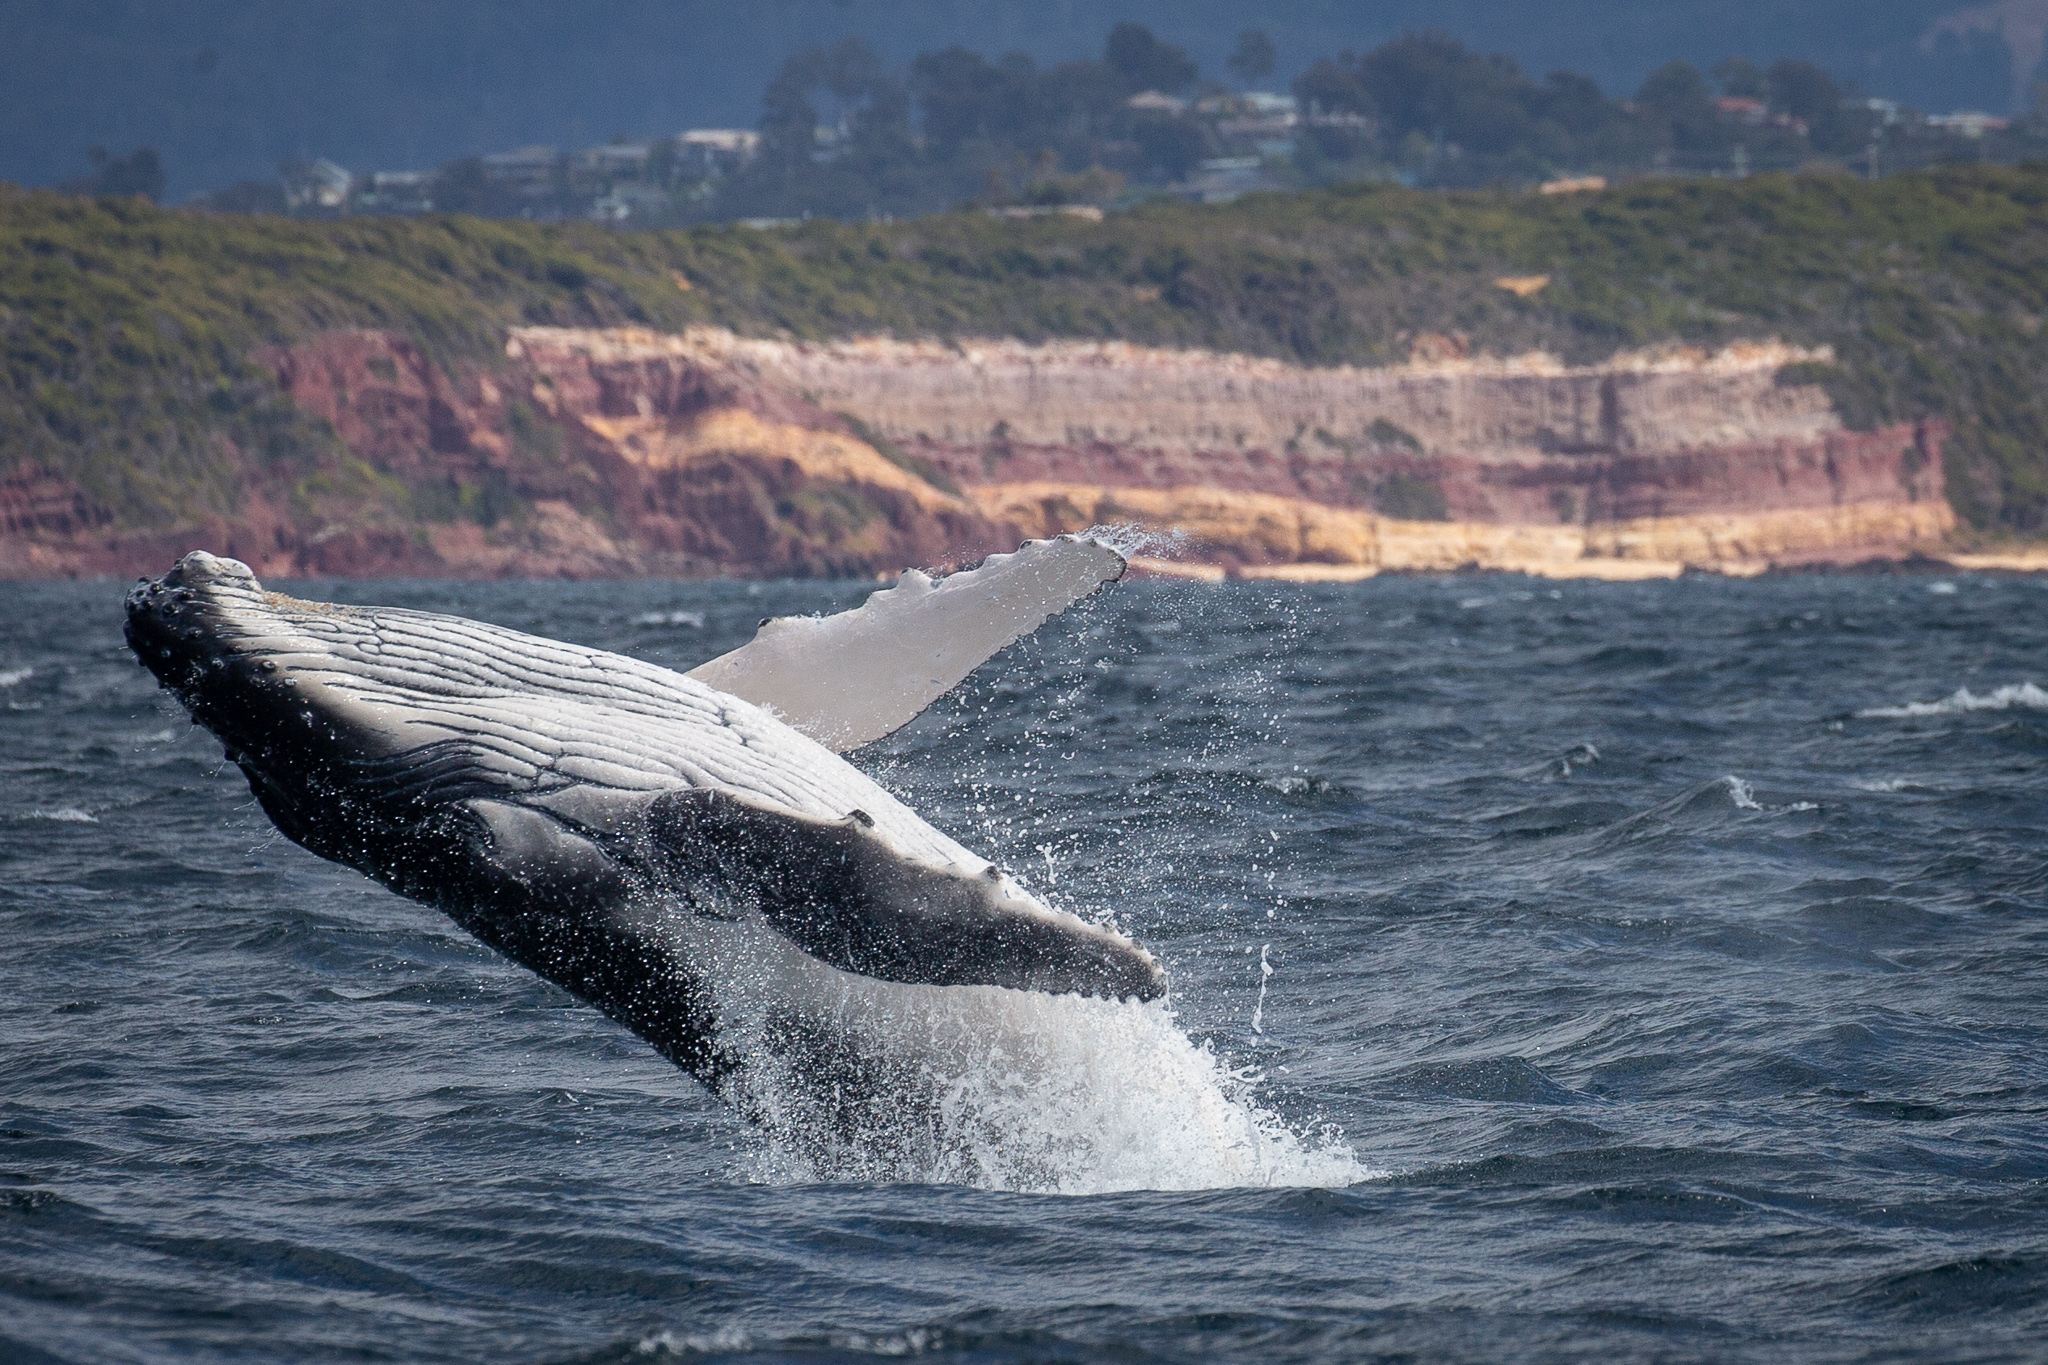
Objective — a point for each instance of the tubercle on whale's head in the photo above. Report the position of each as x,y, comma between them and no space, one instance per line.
179,625
207,630
186,627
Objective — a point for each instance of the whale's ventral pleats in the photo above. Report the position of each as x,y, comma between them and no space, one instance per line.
598,818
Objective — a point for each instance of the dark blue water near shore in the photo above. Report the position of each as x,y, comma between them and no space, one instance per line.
1679,986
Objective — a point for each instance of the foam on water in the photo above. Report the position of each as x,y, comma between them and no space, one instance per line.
2025,695
692,619
10,677
1886,784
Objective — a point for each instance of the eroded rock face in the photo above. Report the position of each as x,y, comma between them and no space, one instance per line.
582,457
1678,456
620,452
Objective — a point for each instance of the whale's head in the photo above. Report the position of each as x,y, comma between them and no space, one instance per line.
305,699
235,656
200,629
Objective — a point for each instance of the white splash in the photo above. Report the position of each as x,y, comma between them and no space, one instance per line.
1128,538
9,677
999,1089
2025,695
65,815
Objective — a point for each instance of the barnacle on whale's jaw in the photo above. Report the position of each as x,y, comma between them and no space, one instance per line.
195,629
176,623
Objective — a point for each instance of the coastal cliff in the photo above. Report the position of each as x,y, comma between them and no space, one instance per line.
577,458
1650,462
593,452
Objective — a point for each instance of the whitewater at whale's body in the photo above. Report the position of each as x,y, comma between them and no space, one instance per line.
688,854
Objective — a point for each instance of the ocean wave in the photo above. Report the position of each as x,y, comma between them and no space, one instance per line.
65,815
1698,808
2025,695
9,677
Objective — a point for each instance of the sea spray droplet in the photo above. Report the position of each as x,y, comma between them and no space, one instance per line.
1265,975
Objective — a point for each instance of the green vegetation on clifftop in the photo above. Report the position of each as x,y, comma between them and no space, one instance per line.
127,328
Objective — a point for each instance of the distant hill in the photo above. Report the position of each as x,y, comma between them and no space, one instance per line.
229,89
137,393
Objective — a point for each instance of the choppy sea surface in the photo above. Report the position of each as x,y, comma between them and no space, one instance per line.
1560,972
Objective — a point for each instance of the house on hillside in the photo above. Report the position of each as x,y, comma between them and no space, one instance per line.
527,168
320,185
403,192
708,153
613,159
1156,102
1970,123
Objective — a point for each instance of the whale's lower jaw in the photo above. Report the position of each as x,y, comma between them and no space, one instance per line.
599,820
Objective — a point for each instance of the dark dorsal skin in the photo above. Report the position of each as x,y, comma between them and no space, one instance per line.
593,817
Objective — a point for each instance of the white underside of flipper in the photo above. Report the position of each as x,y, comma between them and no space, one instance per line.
848,680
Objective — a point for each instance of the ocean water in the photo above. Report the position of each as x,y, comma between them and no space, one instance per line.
1560,972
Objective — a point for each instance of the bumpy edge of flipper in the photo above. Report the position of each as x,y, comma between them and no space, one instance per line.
848,680
839,892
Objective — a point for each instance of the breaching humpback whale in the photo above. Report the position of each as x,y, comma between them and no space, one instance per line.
660,844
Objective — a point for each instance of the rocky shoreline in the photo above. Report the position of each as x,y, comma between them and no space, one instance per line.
626,452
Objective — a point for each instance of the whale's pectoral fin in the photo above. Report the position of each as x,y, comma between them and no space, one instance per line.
547,894
839,892
849,679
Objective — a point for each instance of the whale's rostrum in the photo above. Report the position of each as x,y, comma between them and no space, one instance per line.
669,851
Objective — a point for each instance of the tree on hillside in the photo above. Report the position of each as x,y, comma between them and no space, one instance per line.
1142,62
847,75
1332,87
836,138
1446,114
1810,95
1432,84
140,172
1254,57
1680,106
1740,77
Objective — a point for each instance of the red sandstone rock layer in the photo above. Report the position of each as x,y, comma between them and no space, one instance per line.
1048,435
570,460
631,452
